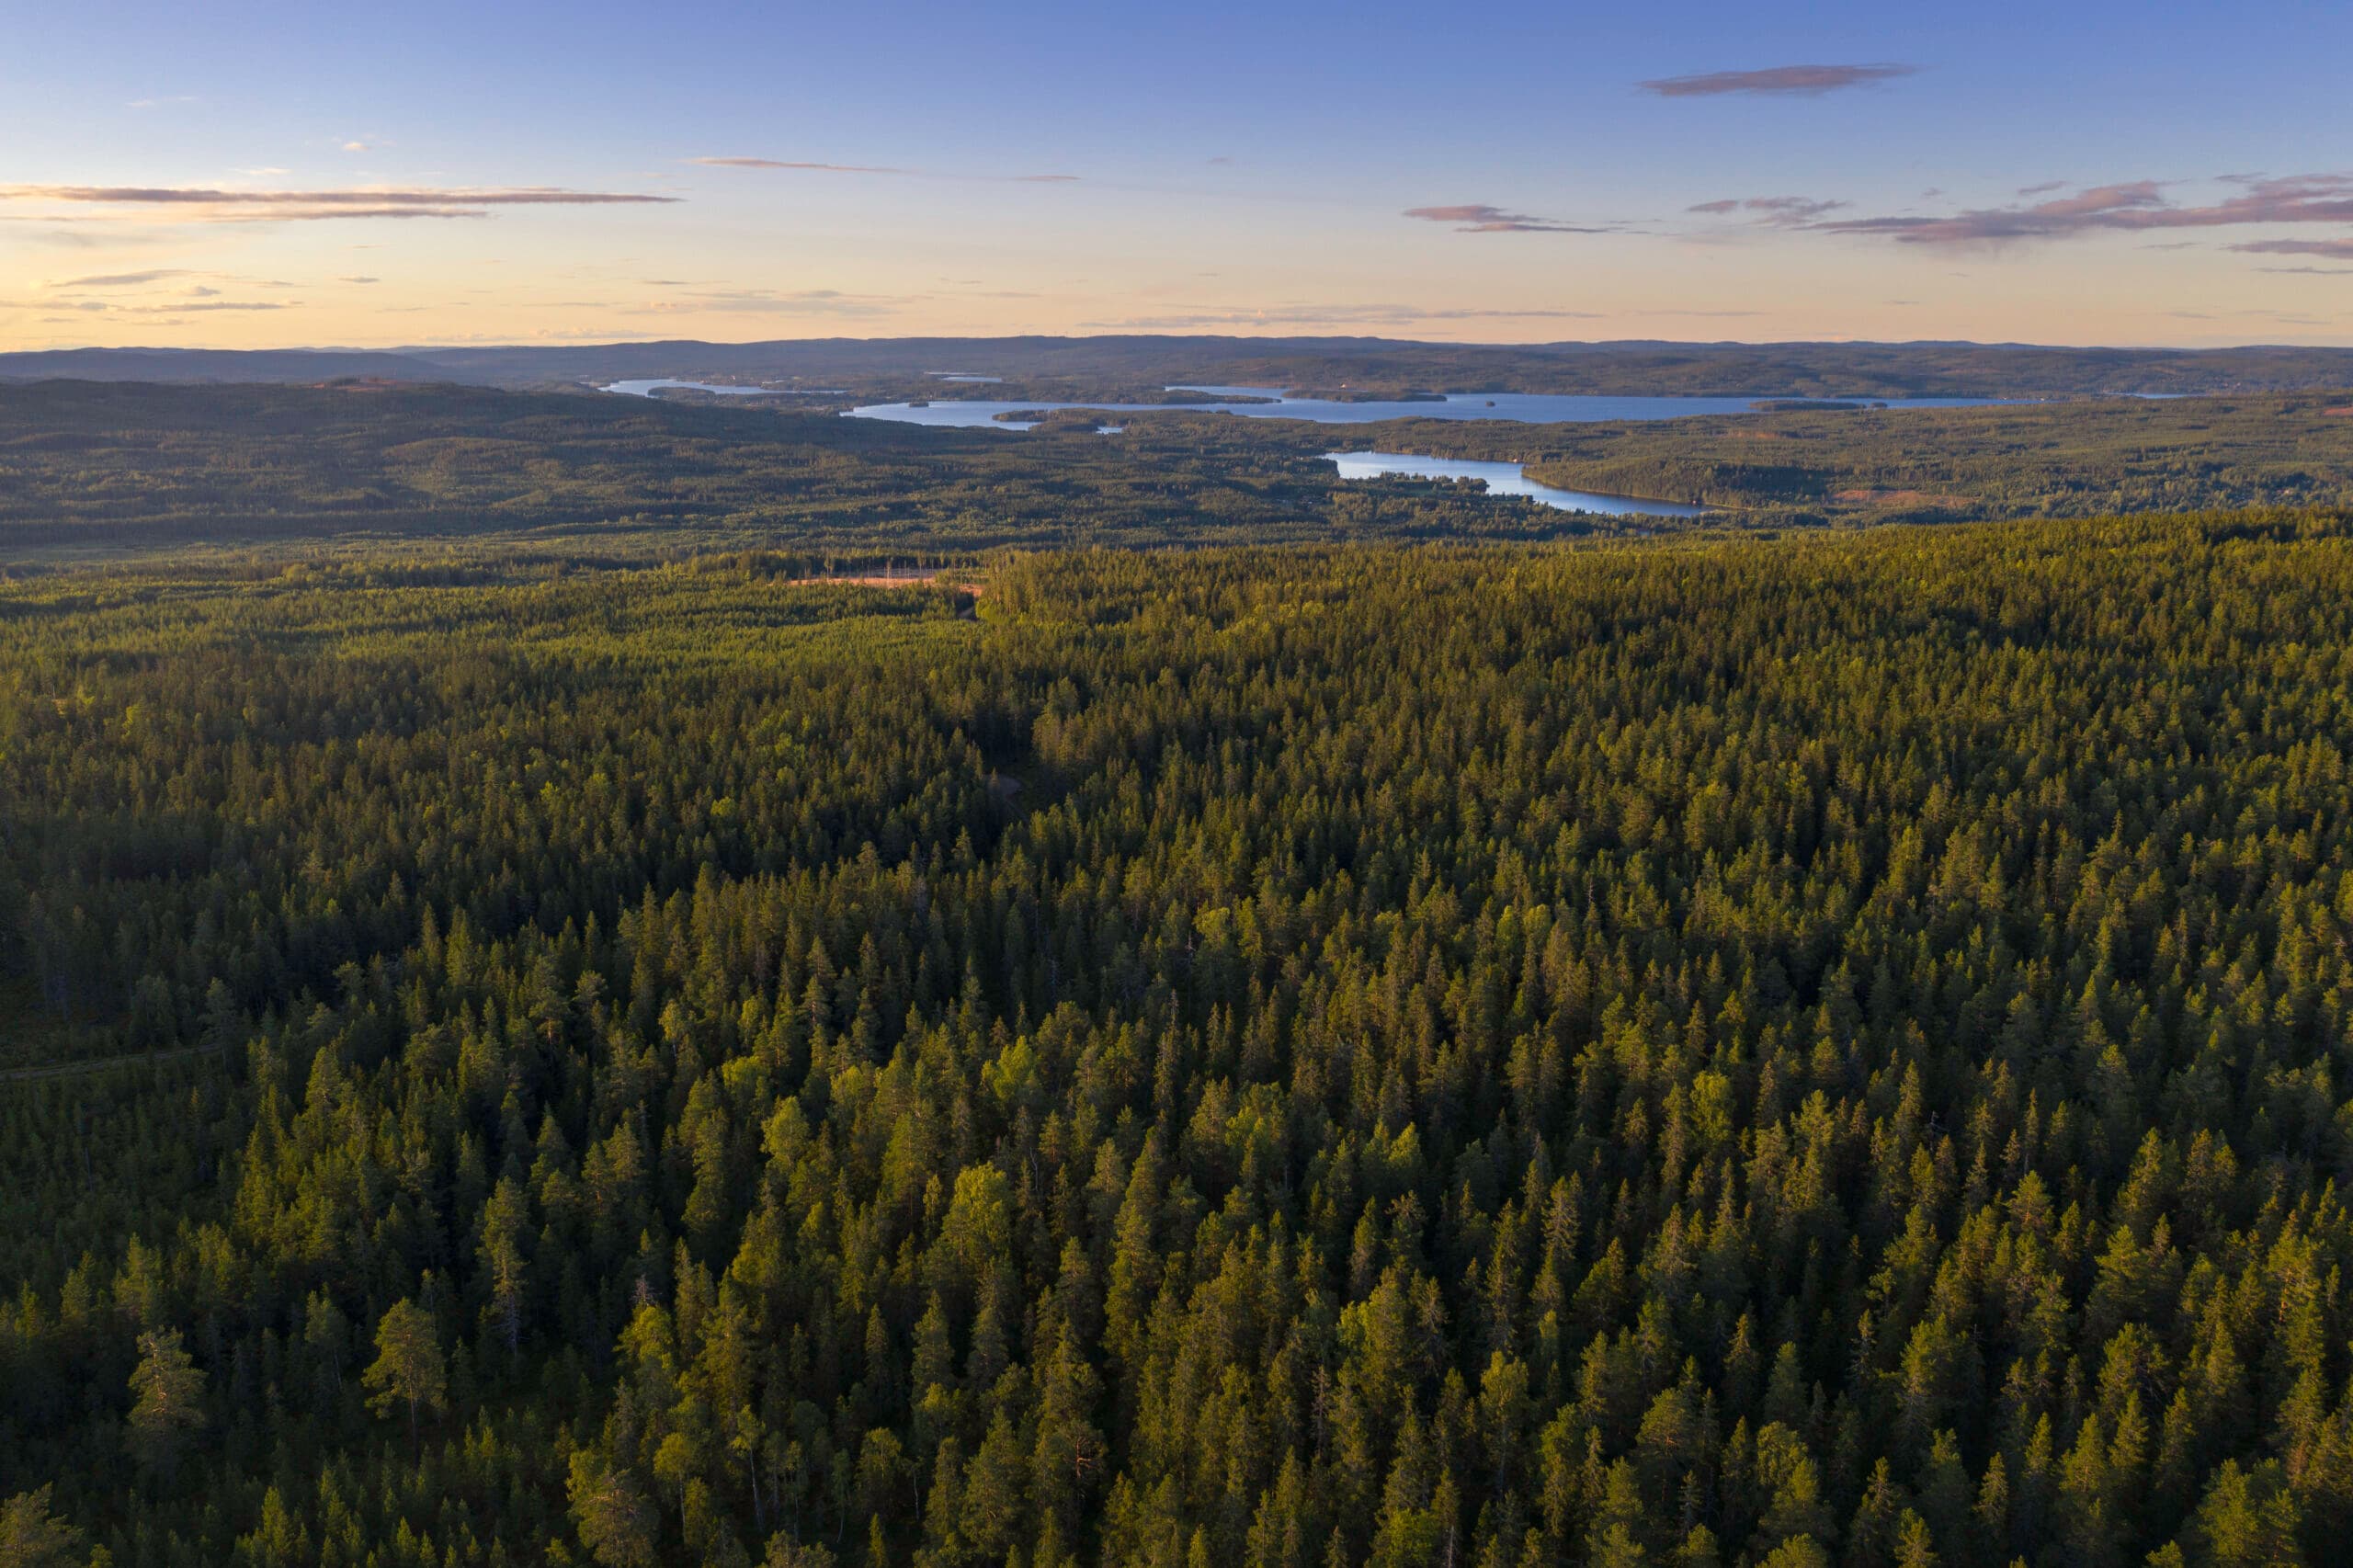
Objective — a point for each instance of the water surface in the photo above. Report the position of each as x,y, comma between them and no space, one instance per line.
647,387
1505,479
1525,408
1270,402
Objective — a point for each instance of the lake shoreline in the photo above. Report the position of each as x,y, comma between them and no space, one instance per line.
1273,403
1506,479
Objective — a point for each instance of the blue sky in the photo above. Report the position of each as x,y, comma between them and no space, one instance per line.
249,175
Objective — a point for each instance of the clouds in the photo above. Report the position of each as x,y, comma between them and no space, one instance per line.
123,280
172,308
794,163
2340,250
1298,314
801,166
832,302
1801,81
156,296
205,204
1479,218
2131,207
1780,212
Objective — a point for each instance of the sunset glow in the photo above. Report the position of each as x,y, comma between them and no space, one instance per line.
580,173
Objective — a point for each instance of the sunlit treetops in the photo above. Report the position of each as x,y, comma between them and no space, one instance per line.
1809,1052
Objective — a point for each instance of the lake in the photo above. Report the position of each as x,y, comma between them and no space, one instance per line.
1524,408
662,384
1504,479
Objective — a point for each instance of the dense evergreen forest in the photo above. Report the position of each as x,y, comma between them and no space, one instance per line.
1706,1050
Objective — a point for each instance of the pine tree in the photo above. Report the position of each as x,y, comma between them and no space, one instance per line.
168,1390
615,1522
33,1536
501,1241
408,1369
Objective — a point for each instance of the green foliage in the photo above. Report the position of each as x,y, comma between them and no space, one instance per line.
1708,1051
2072,458
601,481
32,1537
408,1369
590,479
167,1398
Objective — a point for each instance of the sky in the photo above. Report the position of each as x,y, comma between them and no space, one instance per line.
2074,171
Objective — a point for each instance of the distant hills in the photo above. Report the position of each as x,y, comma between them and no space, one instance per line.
1132,366
197,365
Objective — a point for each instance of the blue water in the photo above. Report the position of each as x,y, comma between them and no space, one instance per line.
1505,479
1525,408
649,387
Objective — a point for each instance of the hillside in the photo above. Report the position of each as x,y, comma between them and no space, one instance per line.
1695,1053
1137,368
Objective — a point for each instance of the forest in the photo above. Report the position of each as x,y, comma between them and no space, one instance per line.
1800,466
1807,1050
1139,366
138,469
129,470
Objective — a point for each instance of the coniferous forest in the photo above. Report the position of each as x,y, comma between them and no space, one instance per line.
1709,1050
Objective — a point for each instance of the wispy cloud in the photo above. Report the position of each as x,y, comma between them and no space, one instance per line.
177,307
799,166
120,279
321,214
2289,317
2132,206
771,301
795,164
1780,210
1479,218
2341,250
216,205
1809,80
1329,315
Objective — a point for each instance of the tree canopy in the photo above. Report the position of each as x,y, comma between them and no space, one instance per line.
1804,1052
